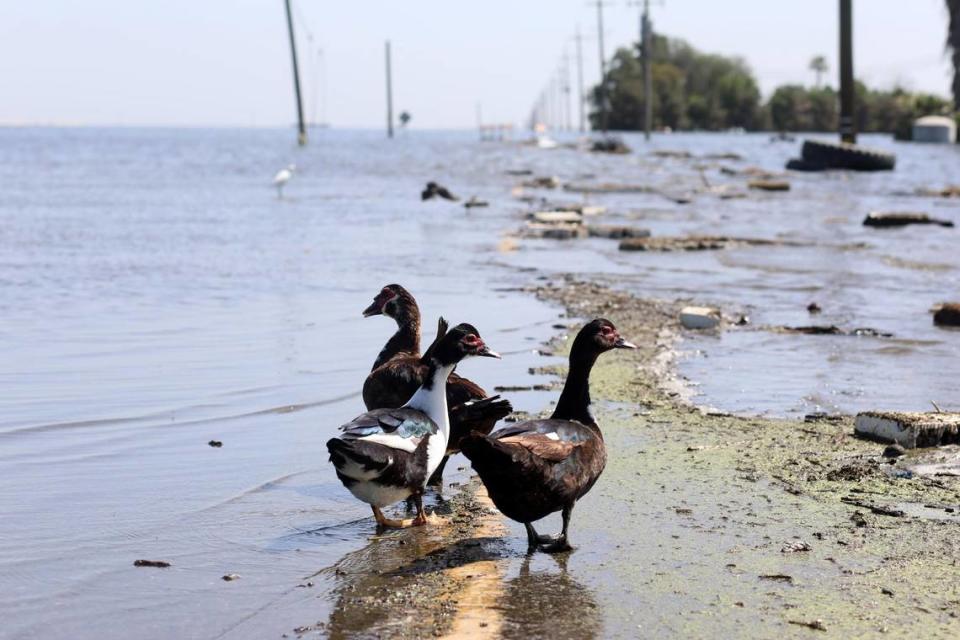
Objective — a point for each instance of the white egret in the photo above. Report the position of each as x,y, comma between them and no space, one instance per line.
283,176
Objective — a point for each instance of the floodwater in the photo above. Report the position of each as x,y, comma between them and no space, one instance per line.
884,279
156,294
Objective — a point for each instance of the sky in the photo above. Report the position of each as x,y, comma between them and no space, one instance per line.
227,63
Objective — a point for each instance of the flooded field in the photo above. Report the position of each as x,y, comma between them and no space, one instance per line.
156,294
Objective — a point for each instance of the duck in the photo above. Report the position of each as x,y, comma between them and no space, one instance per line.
399,369
387,455
534,468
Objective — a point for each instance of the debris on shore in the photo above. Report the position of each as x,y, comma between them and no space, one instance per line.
948,315
909,430
159,564
475,202
434,190
609,144
699,243
833,330
769,185
901,219
542,182
700,317
616,232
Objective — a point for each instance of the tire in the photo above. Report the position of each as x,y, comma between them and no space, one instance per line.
832,155
797,164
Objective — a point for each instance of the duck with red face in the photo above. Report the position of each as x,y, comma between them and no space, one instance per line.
400,369
387,455
535,468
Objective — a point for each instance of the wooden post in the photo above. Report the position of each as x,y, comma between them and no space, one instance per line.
389,94
848,116
301,127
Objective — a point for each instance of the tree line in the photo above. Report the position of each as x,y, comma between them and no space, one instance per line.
695,90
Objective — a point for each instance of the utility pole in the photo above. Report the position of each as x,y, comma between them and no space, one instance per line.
389,93
848,121
580,75
301,127
646,45
566,89
603,69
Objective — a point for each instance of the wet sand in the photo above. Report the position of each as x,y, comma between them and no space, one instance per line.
703,525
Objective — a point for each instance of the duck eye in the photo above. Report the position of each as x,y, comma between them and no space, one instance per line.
471,340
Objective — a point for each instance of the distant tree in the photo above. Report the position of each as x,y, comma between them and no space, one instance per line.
405,118
819,66
690,90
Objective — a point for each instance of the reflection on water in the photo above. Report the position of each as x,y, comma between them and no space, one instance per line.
548,604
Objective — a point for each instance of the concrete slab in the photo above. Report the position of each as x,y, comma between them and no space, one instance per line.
911,430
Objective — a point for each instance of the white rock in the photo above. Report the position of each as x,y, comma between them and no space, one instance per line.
699,317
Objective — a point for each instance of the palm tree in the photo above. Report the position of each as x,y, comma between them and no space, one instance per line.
819,64
953,42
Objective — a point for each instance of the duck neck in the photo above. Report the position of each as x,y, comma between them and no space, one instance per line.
405,340
574,402
431,397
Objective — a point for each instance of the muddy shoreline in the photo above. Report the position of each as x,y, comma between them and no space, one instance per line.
738,526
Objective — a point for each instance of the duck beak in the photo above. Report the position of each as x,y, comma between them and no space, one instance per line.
487,353
375,309
623,344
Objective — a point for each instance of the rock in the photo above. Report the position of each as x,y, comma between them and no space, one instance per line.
543,182
901,219
609,145
795,546
769,185
699,317
592,210
565,231
159,564
910,430
948,315
616,232
894,451
556,217
215,443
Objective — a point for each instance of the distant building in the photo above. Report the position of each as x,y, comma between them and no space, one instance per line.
935,129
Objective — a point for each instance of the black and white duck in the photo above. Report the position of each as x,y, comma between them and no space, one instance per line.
387,455
400,369
535,468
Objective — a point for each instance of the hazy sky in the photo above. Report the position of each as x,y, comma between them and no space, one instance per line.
203,62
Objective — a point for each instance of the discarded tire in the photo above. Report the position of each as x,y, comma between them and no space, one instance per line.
799,164
833,155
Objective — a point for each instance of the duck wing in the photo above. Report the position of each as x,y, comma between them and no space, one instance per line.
402,429
393,383
550,440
